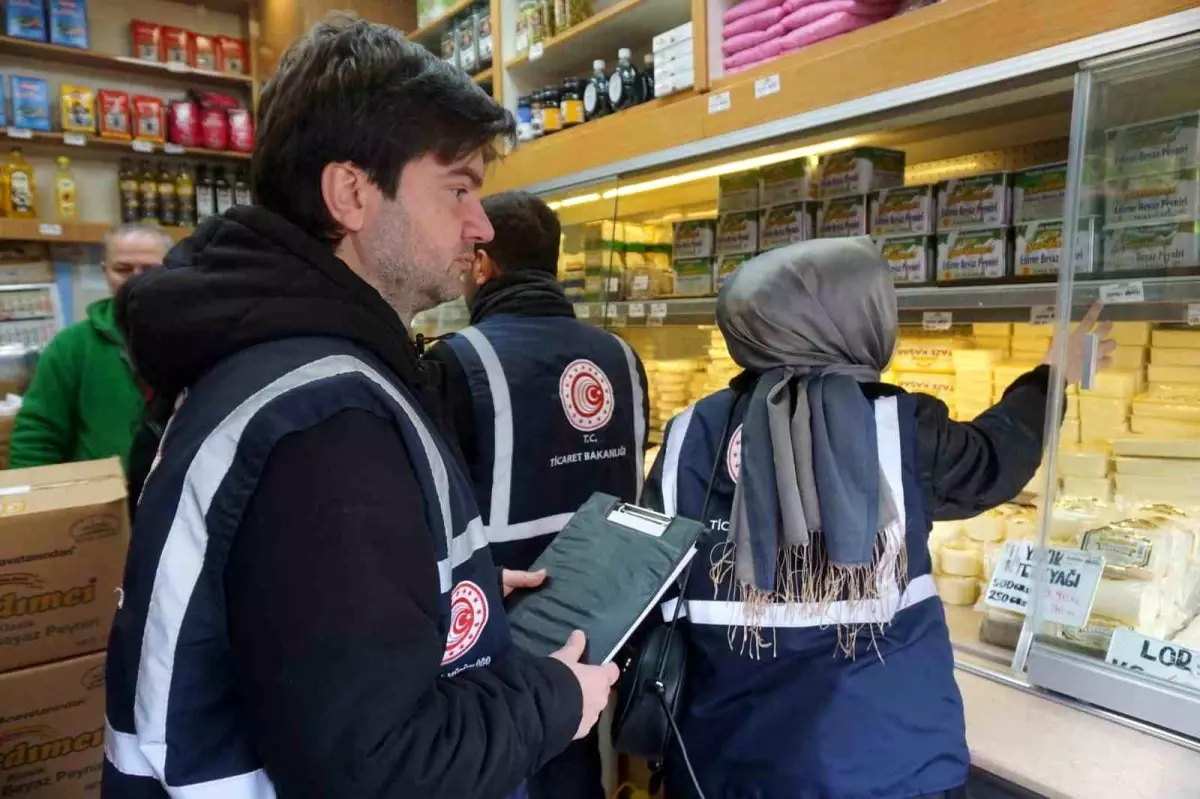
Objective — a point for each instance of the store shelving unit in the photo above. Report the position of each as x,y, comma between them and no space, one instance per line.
67,232
71,143
430,33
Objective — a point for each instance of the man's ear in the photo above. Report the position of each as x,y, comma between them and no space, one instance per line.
486,268
344,190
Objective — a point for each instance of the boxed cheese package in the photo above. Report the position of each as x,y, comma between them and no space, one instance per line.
1164,197
1149,147
1039,246
693,239
1040,193
860,171
974,255
738,192
904,212
980,201
1158,246
910,257
789,182
52,730
843,216
725,266
693,278
63,535
737,233
781,225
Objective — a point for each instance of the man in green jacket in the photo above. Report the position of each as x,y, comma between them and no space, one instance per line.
85,401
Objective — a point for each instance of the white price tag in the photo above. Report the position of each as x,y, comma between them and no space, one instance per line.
47,229
719,102
20,133
1126,292
1072,577
173,149
1167,661
535,52
175,66
140,146
1042,315
582,310
658,310
612,284
937,320
764,87
1193,317
75,139
610,311
637,310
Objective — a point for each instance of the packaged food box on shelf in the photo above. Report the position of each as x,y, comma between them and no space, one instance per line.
69,23
980,201
665,86
1147,199
911,258
693,239
788,182
77,108
1162,145
30,102
974,254
737,233
693,277
1040,193
1159,246
675,35
1038,247
903,212
781,225
860,171
726,265
738,192
25,19
839,217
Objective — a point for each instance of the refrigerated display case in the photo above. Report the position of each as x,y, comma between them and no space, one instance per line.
990,192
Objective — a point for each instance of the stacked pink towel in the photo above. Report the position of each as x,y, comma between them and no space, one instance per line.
758,30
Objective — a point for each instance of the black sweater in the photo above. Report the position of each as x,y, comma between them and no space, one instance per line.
332,585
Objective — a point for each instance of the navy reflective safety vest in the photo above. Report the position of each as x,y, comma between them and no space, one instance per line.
559,416
173,721
798,721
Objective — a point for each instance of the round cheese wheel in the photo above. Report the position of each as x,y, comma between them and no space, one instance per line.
961,558
957,590
987,526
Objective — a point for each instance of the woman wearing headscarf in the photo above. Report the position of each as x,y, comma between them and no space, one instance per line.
819,662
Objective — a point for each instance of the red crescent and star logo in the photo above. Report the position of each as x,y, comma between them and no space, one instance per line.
587,395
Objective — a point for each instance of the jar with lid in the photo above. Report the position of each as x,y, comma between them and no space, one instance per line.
525,15
450,45
481,15
524,119
568,13
552,118
537,110
468,55
571,103
542,22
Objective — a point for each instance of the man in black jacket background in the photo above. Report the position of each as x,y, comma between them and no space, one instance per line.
547,411
309,605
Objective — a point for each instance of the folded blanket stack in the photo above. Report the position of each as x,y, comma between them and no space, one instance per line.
755,31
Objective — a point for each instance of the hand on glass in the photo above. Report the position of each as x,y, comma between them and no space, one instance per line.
512,580
595,682
1073,371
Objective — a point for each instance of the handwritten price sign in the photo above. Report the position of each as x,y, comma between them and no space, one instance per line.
1072,579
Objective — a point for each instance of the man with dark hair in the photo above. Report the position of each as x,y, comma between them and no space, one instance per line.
528,377
309,607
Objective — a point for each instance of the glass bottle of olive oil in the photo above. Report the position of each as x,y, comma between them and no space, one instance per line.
131,201
65,191
185,193
168,209
19,200
148,189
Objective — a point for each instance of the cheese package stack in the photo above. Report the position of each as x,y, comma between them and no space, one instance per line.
993,336
670,387
965,553
973,381
1031,342
1105,408
721,368
925,364
1165,469
1005,374
1172,414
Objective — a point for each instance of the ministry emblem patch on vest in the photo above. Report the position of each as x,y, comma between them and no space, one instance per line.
587,395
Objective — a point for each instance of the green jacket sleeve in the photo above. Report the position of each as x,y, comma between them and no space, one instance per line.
45,429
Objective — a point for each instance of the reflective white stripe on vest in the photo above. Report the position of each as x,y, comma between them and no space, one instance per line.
182,556
877,611
502,441
639,418
123,752
532,529
670,472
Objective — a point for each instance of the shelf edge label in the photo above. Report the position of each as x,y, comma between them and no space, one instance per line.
765,87
20,133
719,102
48,229
937,320
1157,658
173,149
637,310
536,51
75,139
140,146
1193,314
1042,315
1129,291
582,311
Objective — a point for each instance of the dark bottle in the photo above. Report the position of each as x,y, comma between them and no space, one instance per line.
185,195
206,197
241,188
168,204
223,191
647,78
595,94
148,188
131,202
624,85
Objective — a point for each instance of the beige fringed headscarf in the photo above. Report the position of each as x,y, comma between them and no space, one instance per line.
811,506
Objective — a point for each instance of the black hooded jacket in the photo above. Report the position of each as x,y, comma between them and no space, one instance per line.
321,536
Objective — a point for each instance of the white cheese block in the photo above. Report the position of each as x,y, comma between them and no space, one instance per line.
1177,339
1072,406
1188,468
1103,410
1070,432
1101,432
1156,373
1084,461
1121,383
1129,358
1088,487
1177,407
987,526
956,590
1136,602
1163,356
1147,447
1189,636
962,558
1157,489
1163,428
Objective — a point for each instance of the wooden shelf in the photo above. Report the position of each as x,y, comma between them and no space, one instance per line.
67,232
426,34
626,23
485,77
91,59
59,141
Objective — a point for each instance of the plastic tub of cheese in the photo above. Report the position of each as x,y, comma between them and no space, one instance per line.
981,201
1161,145
910,257
1156,246
1149,199
1039,246
974,255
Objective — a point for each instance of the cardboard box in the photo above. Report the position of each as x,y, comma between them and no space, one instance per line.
63,535
52,730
